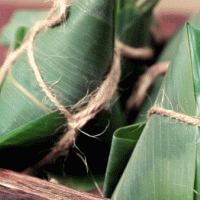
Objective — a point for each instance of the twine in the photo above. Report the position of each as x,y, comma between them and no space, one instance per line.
98,100
174,115
145,81
137,53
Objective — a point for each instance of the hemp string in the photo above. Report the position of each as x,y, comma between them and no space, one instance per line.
145,81
98,100
174,115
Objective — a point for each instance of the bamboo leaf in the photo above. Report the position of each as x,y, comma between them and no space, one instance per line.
20,34
168,54
30,142
163,163
141,6
72,65
194,35
133,30
123,143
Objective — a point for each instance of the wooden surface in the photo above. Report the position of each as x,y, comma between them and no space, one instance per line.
15,186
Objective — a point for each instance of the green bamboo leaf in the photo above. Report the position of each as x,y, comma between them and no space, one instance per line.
141,6
73,65
20,34
194,34
33,130
123,143
33,137
133,30
168,54
163,163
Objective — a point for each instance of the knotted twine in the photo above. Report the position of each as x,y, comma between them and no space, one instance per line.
98,100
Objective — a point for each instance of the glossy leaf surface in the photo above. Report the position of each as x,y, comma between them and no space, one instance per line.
194,34
133,30
73,65
164,162
123,143
168,54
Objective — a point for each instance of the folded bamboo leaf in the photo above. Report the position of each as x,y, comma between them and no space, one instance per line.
33,130
132,22
73,65
132,29
163,163
123,143
141,6
31,141
194,35
167,55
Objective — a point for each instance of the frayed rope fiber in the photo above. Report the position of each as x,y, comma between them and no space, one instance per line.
98,100
174,115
